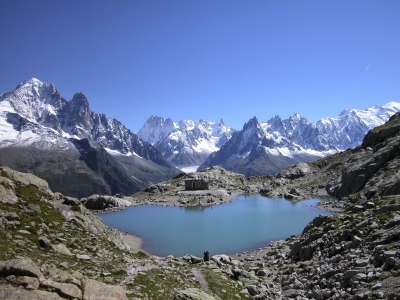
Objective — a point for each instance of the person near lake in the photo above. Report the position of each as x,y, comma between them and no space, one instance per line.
206,256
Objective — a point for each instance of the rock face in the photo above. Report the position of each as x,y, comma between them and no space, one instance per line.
65,142
372,166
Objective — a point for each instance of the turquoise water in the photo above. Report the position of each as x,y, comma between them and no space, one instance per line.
246,223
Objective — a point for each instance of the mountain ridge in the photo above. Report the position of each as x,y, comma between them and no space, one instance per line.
35,110
35,118
277,143
187,142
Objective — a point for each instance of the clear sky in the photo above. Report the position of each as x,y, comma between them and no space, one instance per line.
206,59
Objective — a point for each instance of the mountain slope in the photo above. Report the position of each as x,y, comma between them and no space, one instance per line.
45,129
263,148
187,143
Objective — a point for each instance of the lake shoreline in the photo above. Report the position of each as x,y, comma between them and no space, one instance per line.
135,243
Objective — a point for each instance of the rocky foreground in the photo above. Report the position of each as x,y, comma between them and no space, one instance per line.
55,247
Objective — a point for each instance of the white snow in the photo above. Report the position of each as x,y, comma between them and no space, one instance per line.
115,152
189,169
279,151
205,146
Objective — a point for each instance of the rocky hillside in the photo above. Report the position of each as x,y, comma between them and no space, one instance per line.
52,248
366,172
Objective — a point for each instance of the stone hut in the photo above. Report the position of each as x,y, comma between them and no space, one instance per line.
196,184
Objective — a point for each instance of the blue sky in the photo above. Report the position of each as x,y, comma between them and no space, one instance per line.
206,59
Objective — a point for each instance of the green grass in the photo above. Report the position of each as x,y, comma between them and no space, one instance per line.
223,286
160,284
140,254
330,159
30,193
4,174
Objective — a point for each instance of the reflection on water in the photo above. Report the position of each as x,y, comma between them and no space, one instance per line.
246,223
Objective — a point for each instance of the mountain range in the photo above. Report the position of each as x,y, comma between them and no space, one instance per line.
186,143
261,148
268,147
76,150
81,153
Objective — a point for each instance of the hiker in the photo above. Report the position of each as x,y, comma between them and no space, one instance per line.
206,256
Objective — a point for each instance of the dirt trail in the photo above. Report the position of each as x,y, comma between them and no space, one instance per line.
200,278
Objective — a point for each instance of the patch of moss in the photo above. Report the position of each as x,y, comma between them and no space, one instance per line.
392,171
141,254
384,276
76,208
308,184
384,217
222,286
29,192
160,284
330,159
4,174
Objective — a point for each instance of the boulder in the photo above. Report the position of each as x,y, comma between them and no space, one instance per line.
99,202
10,292
83,257
221,258
195,259
26,179
94,290
44,242
66,290
62,249
7,195
20,266
296,171
11,216
25,281
71,201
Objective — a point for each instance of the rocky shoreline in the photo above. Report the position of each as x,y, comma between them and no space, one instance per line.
135,242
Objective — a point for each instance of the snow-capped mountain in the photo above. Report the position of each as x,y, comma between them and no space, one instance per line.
34,118
268,147
186,143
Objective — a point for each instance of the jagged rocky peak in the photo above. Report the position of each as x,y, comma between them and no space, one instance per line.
281,143
156,128
252,127
34,88
251,123
35,99
295,117
36,117
186,143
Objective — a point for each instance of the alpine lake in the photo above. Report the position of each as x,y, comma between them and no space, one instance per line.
245,224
